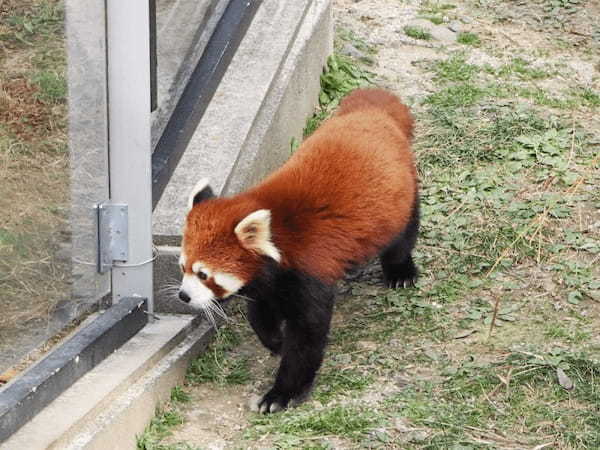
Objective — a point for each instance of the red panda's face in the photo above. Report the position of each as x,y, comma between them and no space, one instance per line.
222,250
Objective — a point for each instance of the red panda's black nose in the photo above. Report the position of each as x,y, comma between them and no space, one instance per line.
184,297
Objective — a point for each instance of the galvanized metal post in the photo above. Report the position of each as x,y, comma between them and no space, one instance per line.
128,49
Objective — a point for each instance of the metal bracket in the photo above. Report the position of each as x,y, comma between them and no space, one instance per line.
113,235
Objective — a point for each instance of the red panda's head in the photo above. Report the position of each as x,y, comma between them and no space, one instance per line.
224,244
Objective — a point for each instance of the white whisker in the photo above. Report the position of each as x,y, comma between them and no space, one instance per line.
243,297
218,309
210,317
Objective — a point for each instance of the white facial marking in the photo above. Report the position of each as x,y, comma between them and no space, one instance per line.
200,295
199,266
230,283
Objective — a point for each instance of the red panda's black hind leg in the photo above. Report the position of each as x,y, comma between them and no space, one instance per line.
399,269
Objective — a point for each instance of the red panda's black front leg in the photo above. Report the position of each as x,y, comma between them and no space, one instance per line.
307,308
266,323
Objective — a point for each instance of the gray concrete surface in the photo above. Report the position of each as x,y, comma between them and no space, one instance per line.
61,423
183,28
264,99
117,426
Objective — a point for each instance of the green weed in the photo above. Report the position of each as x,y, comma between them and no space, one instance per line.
358,42
437,20
457,95
484,397
589,96
346,421
523,70
178,395
335,382
52,85
43,21
455,68
468,38
435,7
417,33
216,364
159,428
340,77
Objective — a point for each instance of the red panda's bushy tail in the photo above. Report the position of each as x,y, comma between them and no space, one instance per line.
369,98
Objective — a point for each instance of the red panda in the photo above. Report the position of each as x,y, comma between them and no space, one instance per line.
347,194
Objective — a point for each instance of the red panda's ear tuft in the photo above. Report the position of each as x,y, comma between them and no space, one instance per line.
200,192
254,233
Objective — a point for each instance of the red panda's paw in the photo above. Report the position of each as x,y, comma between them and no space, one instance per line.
404,275
272,402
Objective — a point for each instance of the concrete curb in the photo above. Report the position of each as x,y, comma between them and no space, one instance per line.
112,403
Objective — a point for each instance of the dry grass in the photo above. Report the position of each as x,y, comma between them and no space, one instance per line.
34,187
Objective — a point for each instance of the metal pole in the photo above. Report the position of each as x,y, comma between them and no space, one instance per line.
128,49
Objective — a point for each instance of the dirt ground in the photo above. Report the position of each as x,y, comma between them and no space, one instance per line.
498,345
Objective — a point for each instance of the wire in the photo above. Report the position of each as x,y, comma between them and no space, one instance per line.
143,263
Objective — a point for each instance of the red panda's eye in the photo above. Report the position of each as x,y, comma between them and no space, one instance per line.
202,275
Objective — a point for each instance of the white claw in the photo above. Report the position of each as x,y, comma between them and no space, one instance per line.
263,408
275,407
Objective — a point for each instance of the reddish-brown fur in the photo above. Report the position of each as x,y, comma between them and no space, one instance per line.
343,196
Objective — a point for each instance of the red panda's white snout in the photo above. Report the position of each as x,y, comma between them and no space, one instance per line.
203,286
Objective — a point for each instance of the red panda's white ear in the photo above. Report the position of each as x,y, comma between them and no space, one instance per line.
254,233
200,192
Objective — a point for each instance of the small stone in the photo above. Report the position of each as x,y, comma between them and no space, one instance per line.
438,32
455,26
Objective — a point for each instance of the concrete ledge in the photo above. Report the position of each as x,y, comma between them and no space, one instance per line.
271,87
108,406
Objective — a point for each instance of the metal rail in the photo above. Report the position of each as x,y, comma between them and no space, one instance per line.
199,91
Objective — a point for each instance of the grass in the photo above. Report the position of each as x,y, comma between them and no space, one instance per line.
436,20
524,70
340,76
455,68
34,166
335,382
345,421
52,86
165,419
468,38
33,21
417,33
464,94
508,172
487,397
215,366
589,96
435,7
